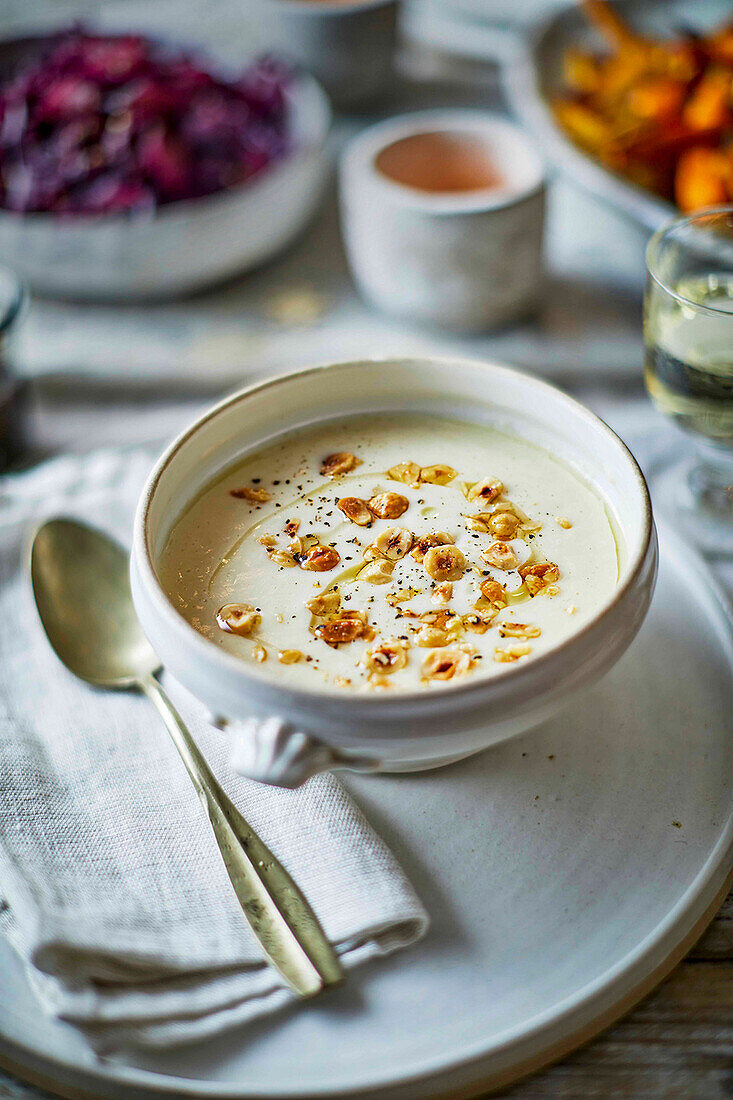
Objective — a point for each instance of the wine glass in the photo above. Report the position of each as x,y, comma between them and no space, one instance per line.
688,337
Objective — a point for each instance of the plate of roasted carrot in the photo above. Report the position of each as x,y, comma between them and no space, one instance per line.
634,99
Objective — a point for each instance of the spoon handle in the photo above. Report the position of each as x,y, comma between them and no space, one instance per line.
278,913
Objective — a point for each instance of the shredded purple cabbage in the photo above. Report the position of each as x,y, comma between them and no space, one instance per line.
104,124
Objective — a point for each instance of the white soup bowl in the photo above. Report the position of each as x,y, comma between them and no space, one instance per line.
284,734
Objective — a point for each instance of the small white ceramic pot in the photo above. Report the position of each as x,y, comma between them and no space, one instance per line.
348,45
468,260
186,245
283,734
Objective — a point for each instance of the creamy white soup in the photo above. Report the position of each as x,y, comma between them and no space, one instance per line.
392,553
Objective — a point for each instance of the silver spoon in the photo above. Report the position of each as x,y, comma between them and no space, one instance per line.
81,588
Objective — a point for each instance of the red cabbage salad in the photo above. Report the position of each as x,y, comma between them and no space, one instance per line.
103,124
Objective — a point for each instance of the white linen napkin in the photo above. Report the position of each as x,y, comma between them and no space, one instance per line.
113,891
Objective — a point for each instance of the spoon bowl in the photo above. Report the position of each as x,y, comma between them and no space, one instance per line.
81,586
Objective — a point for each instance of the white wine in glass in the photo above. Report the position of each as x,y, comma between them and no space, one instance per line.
688,336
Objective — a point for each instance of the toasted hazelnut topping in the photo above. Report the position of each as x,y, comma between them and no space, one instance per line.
394,542
406,472
401,596
533,585
289,656
378,571
501,556
545,571
571,609
291,527
511,653
284,558
389,505
444,563
349,626
386,657
550,590
320,559
478,621
487,490
504,525
325,604
494,592
440,474
442,593
238,618
525,523
355,509
338,463
479,522
259,653
431,637
447,664
511,629
268,541
425,542
444,619
563,522
257,496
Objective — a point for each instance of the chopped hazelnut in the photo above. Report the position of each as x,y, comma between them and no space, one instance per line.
257,496
289,656
512,653
545,571
349,626
389,505
394,542
341,462
442,593
478,621
501,555
440,474
444,563
424,542
386,657
406,472
510,629
355,509
320,559
487,490
431,637
259,653
324,604
238,618
378,571
504,525
494,592
447,664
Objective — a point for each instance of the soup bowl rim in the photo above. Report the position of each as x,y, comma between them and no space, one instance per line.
468,693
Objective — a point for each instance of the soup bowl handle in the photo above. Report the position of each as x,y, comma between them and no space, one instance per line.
272,751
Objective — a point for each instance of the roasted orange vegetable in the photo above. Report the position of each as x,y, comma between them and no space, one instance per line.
660,112
703,178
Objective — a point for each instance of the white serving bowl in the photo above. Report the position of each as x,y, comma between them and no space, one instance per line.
467,261
182,246
284,734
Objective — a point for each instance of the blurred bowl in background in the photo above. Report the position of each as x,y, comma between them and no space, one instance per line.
442,216
182,246
348,45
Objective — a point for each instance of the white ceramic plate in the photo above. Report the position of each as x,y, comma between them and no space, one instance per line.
565,873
